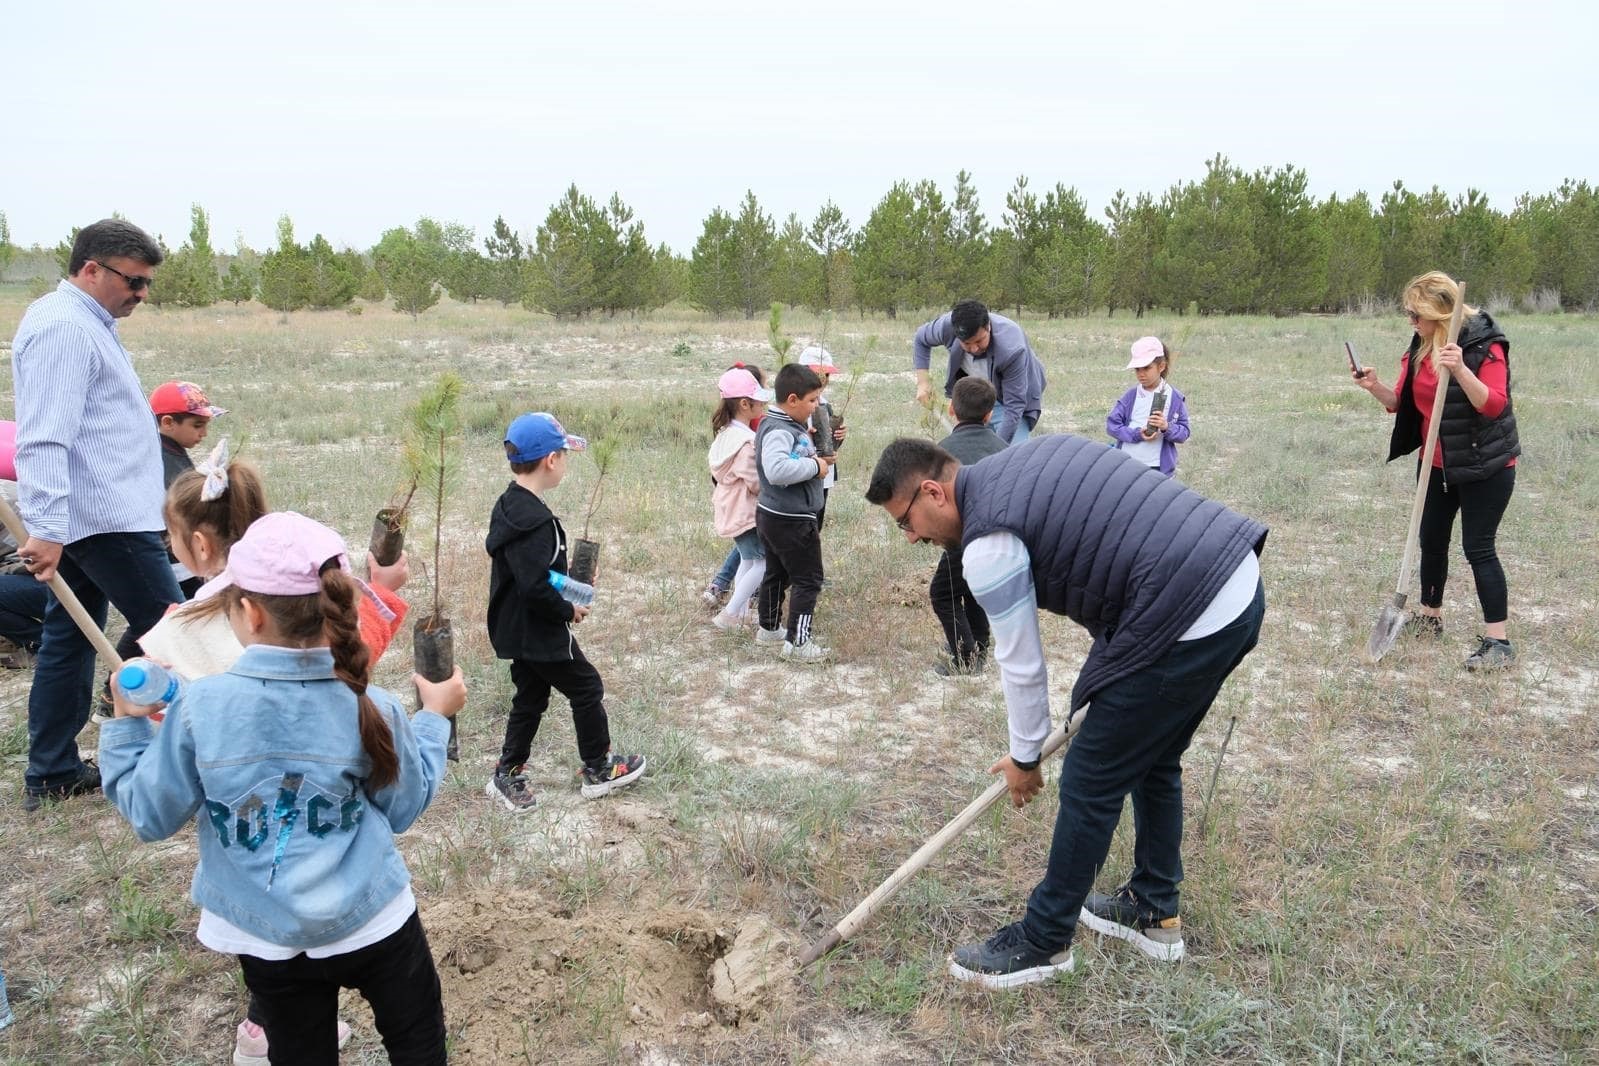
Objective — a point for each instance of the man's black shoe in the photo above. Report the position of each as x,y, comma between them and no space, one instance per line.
1006,960
87,781
1123,916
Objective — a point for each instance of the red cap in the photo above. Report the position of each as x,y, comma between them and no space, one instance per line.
183,398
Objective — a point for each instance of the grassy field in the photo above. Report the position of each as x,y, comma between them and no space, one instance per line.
1400,863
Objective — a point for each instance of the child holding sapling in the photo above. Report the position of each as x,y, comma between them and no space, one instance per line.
791,475
303,773
529,620
824,420
1151,418
732,461
207,510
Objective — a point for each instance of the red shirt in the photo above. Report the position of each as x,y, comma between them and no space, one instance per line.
1492,373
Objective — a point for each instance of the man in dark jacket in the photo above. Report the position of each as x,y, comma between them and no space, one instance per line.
965,625
1167,583
529,618
987,346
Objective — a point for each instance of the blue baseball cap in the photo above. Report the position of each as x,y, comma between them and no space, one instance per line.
537,434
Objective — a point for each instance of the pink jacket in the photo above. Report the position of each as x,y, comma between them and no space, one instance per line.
732,460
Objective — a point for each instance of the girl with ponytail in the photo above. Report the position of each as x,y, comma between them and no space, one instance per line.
301,773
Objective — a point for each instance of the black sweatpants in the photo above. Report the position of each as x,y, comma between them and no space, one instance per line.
298,1000
1481,505
793,558
580,683
965,625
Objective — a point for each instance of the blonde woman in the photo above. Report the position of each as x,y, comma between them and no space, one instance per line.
1472,472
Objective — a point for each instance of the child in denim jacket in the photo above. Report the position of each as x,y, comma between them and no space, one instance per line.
301,774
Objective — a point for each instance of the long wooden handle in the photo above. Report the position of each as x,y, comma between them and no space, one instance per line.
1425,475
64,593
851,923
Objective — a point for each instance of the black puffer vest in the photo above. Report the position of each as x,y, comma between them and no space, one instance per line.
1132,556
1475,447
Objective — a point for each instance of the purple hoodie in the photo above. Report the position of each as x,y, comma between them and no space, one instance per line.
1176,426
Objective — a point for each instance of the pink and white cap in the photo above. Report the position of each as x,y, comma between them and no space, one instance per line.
1145,351
284,554
739,383
814,355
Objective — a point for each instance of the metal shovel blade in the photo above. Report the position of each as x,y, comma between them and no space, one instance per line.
1390,620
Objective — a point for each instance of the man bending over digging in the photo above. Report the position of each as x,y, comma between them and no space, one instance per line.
1168,584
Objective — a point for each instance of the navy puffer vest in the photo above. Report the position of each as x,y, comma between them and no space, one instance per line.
1475,447
1130,555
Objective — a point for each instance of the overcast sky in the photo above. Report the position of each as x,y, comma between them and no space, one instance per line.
353,117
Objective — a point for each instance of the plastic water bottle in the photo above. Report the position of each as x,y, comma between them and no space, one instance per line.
146,682
571,590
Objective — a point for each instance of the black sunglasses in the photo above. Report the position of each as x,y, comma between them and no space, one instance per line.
136,282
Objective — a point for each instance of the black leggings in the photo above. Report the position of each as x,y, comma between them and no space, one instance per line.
1481,505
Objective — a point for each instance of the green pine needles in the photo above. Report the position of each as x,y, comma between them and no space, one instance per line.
432,442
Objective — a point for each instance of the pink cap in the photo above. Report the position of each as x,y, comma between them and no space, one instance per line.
739,383
284,554
1145,351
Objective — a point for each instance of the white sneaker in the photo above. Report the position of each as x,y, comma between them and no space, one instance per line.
770,637
809,652
250,1045
723,620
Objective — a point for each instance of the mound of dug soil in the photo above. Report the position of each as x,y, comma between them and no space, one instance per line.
517,970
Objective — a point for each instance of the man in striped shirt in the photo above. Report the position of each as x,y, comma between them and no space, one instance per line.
89,473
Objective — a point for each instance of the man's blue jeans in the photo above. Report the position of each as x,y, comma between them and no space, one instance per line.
128,570
22,604
1131,742
1023,431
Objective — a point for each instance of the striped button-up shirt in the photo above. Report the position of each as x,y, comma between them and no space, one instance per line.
88,457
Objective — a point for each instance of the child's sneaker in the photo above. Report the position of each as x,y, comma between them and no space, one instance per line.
1122,916
723,620
612,773
770,638
809,652
712,596
511,790
250,1048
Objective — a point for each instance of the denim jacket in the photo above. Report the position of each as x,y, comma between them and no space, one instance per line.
293,846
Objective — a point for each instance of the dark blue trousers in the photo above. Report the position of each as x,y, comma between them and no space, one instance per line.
1131,743
129,570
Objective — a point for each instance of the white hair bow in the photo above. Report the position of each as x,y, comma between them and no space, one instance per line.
215,469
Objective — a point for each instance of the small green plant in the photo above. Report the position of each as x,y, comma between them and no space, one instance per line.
774,334
430,447
682,350
857,370
603,451
136,917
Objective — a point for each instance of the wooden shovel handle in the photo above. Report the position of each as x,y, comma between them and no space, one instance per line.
851,923
1408,559
64,593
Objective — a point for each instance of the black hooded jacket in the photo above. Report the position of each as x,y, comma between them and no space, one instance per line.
1475,446
527,617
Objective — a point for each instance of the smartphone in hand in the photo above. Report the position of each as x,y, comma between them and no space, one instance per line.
1354,363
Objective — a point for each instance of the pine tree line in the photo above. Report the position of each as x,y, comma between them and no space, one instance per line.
1230,242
